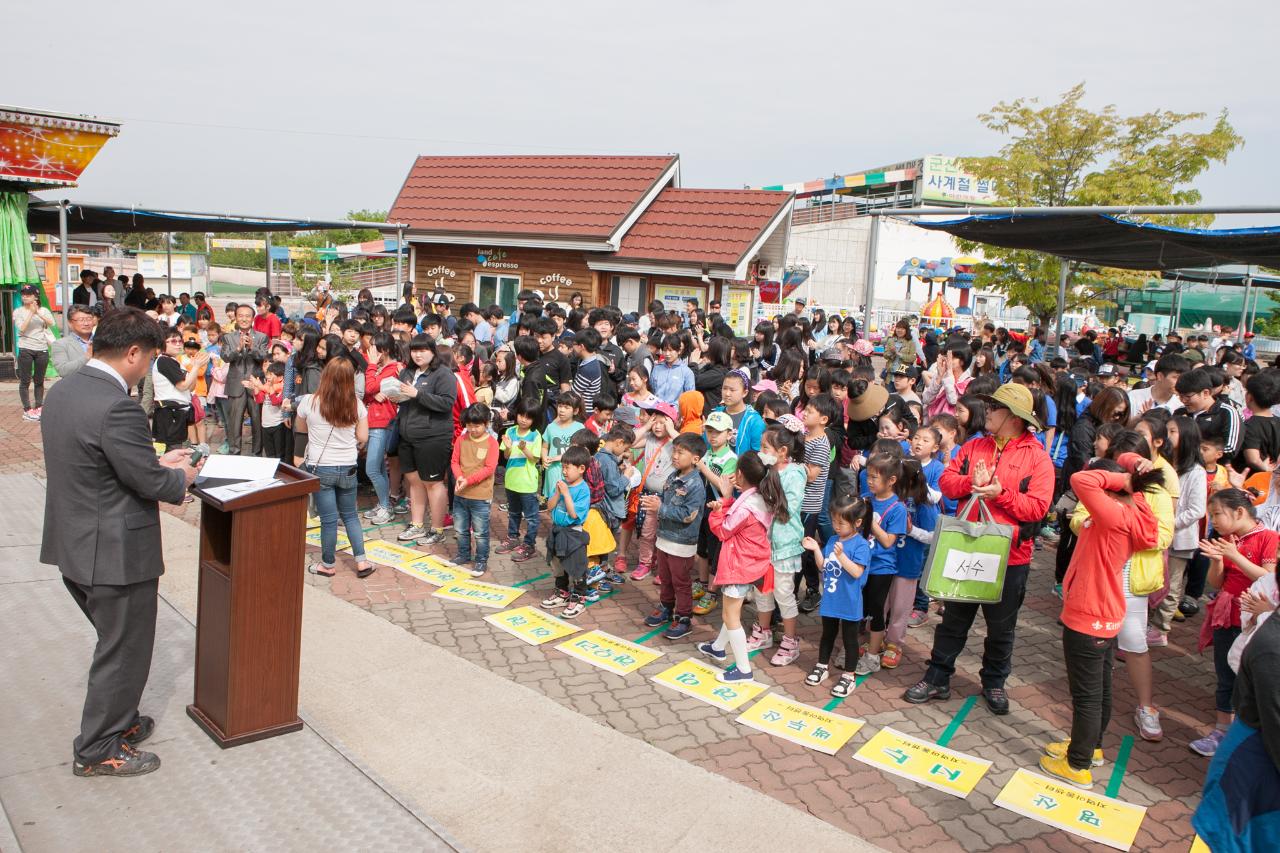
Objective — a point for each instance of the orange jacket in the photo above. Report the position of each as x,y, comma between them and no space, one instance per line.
1093,590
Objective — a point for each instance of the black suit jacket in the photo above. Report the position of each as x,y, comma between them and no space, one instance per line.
101,516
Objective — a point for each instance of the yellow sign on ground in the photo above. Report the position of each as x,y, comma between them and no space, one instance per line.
532,625
924,762
434,571
1198,845
799,723
697,679
609,652
313,538
1092,816
478,592
389,553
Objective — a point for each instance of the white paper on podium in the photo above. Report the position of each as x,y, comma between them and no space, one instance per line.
236,490
220,467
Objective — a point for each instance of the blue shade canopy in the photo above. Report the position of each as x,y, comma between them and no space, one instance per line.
1108,241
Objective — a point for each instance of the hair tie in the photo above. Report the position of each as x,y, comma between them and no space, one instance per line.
768,459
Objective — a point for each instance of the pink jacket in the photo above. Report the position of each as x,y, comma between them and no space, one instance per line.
742,526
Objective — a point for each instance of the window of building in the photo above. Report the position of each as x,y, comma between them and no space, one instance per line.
497,290
629,293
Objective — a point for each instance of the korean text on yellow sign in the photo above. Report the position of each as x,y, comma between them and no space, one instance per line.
799,723
923,762
476,592
433,570
698,680
389,553
1092,816
313,538
532,625
609,652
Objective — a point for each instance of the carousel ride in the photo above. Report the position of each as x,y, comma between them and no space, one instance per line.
956,272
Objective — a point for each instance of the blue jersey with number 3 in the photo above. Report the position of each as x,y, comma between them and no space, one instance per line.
841,591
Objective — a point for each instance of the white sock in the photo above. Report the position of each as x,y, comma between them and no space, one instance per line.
738,641
719,642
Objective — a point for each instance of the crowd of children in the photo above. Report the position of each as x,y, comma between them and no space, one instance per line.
787,471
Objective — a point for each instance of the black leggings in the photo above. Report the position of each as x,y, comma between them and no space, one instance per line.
809,565
874,596
32,365
849,630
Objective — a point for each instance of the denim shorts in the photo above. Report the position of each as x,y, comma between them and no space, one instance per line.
736,590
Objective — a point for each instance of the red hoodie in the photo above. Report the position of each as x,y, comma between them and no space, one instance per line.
1093,590
1026,474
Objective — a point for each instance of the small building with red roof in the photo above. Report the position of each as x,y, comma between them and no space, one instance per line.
617,230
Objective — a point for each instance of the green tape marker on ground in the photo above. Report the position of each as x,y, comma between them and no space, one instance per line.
957,721
1117,773
835,703
610,594
644,638
533,580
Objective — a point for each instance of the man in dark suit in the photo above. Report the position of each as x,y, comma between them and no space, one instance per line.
102,531
86,293
242,350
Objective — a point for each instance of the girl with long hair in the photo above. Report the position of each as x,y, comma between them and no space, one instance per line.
429,391
742,526
338,426
1183,434
844,562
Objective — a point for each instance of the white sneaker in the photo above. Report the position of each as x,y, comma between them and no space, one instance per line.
381,515
1148,723
867,664
413,531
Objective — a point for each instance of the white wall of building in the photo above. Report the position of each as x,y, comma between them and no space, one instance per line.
838,253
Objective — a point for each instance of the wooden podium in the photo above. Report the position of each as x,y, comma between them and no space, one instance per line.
249,615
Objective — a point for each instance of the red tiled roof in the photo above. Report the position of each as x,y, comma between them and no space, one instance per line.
703,226
537,195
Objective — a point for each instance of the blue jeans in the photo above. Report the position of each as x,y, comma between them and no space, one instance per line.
375,463
337,498
471,515
522,505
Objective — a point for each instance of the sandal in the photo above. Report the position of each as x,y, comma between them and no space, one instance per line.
843,687
366,571
817,675
321,570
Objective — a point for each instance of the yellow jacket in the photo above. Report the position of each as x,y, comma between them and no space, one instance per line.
1162,500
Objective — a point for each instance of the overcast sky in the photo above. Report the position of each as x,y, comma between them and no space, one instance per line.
313,109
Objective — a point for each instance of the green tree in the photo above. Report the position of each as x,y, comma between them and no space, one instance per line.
1064,154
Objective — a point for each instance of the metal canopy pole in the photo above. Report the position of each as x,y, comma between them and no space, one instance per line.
1063,274
63,270
267,246
399,263
1244,313
168,262
873,241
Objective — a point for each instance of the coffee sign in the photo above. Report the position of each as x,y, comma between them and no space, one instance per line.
557,279
495,259
441,272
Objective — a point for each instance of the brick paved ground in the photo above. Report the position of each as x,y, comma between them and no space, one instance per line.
894,813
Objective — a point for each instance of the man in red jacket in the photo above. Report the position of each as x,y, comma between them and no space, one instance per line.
1012,473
